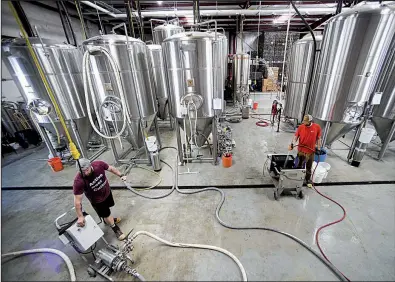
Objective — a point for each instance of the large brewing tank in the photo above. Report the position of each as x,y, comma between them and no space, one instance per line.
384,113
241,75
300,64
163,31
61,64
353,47
159,76
131,56
195,79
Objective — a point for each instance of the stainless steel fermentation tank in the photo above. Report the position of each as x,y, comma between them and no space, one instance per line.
196,85
352,51
159,77
61,64
163,31
130,55
384,114
241,76
300,64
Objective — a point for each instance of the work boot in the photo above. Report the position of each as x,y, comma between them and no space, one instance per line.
118,232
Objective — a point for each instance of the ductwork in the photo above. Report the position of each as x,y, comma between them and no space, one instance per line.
318,9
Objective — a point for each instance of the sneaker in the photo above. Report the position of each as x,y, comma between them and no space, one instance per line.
309,183
118,233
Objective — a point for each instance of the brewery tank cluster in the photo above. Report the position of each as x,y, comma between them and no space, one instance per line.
61,65
354,61
157,62
300,64
351,60
196,84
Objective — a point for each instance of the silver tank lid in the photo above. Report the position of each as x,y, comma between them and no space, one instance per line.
190,35
365,8
111,39
154,47
308,37
168,27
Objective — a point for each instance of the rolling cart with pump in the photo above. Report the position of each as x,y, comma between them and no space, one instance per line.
109,259
284,176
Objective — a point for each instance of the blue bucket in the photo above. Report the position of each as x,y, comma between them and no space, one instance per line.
321,157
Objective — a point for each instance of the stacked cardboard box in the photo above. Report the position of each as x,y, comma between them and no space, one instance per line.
269,84
275,73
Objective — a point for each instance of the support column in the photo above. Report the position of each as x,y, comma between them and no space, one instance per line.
157,132
179,143
215,141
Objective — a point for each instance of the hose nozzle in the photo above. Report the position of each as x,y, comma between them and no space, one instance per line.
74,151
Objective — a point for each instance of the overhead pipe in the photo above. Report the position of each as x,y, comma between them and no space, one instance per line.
317,10
339,6
313,56
285,56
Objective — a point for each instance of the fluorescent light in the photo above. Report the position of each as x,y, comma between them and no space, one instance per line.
159,2
282,19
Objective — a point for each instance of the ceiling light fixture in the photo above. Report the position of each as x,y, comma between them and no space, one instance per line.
282,19
159,2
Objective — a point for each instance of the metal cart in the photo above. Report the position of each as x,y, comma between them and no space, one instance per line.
285,177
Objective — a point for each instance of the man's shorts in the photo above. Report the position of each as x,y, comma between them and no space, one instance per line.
103,209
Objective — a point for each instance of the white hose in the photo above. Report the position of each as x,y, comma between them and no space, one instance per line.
87,78
196,246
47,250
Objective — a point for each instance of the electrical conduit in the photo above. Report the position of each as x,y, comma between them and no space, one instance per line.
47,250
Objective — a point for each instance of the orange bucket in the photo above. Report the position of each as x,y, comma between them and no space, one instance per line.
255,106
227,160
55,164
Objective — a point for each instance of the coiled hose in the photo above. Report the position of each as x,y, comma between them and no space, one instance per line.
47,250
87,78
196,246
217,215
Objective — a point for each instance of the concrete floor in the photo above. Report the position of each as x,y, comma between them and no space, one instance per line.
253,143
362,246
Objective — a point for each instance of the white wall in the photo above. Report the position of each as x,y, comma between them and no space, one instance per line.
48,22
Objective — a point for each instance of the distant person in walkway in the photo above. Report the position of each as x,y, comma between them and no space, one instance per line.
91,180
309,136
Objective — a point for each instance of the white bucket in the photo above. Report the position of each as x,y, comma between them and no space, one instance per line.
320,171
366,135
151,143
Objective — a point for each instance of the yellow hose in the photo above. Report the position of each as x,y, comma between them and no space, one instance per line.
73,149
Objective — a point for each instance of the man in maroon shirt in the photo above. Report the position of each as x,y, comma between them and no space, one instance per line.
91,180
309,136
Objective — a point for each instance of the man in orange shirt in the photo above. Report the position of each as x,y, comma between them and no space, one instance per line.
309,136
